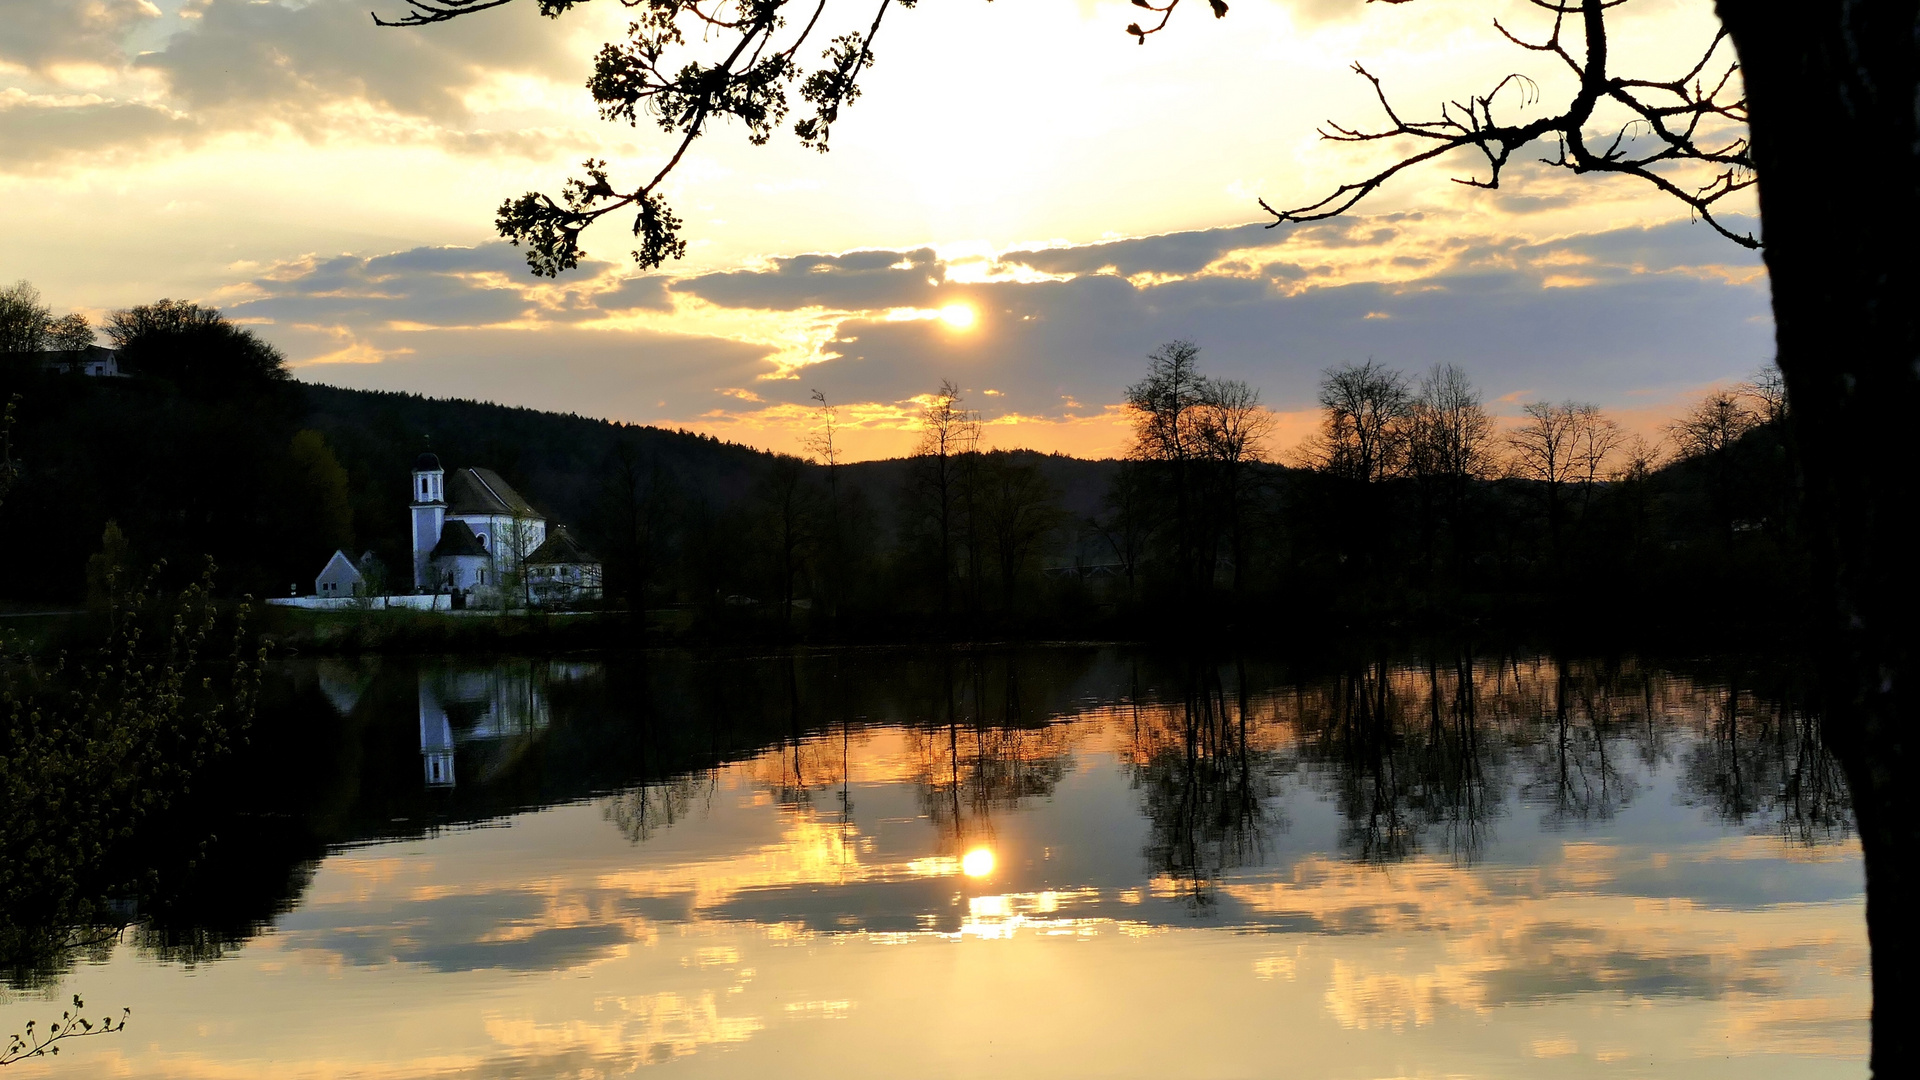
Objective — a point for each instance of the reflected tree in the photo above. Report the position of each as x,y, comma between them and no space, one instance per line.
646,810
1207,782
1765,761
978,760
1576,774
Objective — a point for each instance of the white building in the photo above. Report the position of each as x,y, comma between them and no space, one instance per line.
471,530
339,578
93,360
561,572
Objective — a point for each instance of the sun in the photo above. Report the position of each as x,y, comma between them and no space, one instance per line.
958,316
978,862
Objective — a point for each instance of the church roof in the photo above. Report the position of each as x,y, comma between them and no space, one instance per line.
457,538
482,492
560,548
427,462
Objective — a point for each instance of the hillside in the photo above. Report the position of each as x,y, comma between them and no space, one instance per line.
183,477
268,485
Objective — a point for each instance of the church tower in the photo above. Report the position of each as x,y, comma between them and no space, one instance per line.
429,514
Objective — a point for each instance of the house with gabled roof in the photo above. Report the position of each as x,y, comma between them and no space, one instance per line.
561,572
339,578
94,360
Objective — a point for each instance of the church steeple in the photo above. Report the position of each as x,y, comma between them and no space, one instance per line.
429,516
429,480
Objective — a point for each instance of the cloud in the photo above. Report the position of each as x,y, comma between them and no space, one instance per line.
1612,316
260,62
42,33
855,281
434,286
1045,344
462,932
1173,253
468,322
320,70
1314,12
38,130
631,375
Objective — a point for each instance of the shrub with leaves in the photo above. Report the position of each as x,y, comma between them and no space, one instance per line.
92,747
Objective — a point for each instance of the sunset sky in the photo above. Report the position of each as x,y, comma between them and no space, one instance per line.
1079,198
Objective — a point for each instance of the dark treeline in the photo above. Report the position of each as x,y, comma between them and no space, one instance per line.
1410,503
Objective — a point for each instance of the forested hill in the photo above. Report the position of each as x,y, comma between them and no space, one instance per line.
269,484
561,462
268,479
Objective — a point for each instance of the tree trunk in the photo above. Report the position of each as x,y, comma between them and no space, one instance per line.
1832,86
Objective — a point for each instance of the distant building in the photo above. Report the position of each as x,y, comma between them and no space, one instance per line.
340,578
93,360
561,572
471,531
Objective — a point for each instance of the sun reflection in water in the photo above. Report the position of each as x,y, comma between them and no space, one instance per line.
977,863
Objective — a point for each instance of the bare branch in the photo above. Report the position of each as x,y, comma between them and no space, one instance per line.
1678,128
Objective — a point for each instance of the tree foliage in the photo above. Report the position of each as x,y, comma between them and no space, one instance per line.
196,348
28,326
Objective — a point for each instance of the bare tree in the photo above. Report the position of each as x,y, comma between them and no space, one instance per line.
508,554
1233,433
1450,435
1165,407
1811,77
1596,441
1636,459
1543,451
1569,443
1193,438
1709,434
1449,446
1714,425
1768,391
948,431
1168,410
1366,411
823,444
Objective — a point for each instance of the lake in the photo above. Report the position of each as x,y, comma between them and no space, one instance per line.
1067,862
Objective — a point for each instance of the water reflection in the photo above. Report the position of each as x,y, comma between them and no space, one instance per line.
1456,850
499,711
1207,779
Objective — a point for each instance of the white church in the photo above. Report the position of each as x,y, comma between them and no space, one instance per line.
473,535
470,530
476,543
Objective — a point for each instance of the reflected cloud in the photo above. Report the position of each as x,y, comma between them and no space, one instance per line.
1201,813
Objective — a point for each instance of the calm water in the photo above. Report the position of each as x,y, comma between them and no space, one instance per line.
1048,863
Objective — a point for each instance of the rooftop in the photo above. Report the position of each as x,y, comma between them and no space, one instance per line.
560,548
482,492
